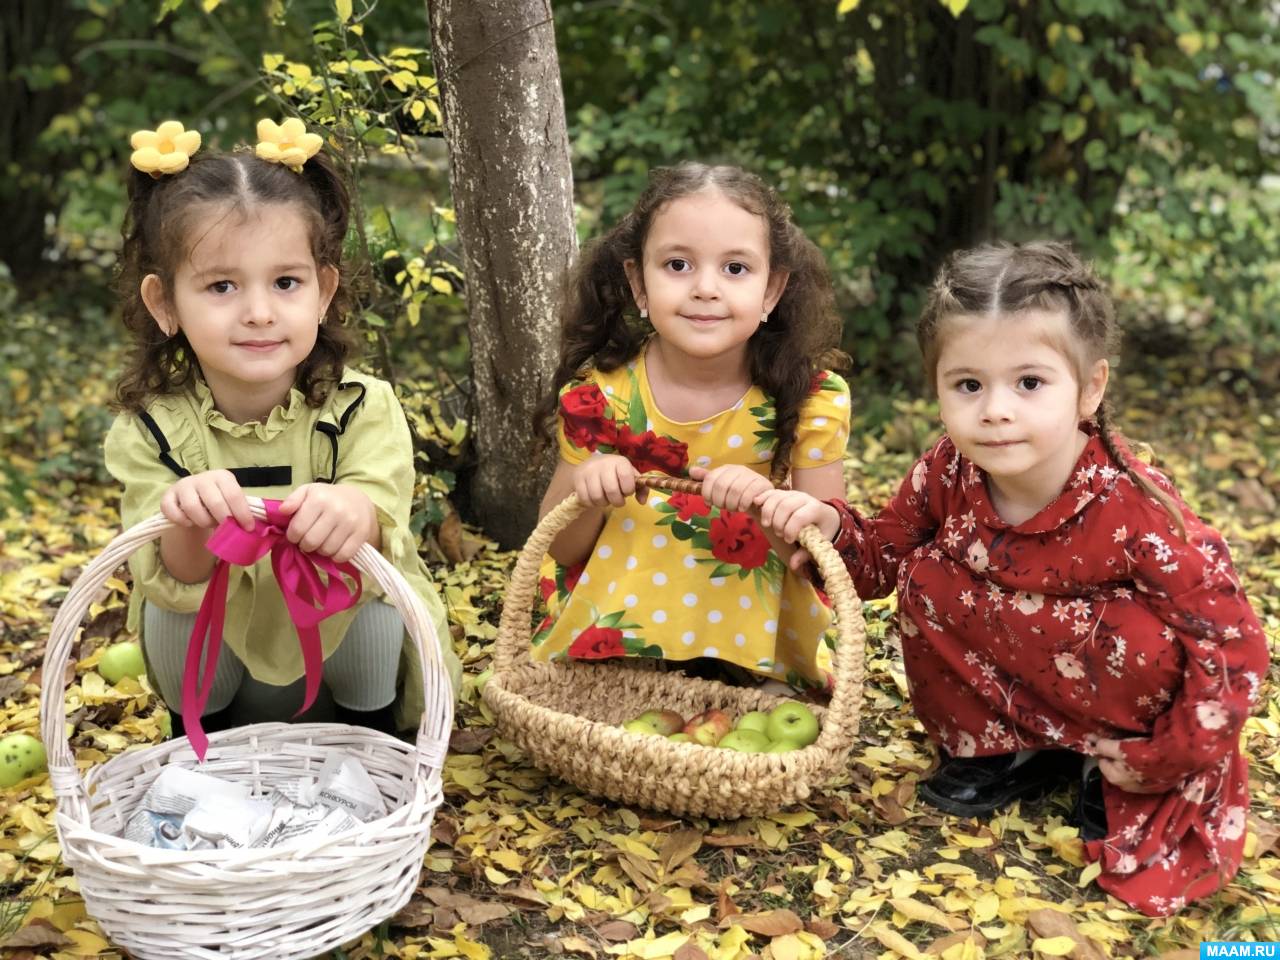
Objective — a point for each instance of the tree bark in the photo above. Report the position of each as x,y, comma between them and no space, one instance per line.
513,193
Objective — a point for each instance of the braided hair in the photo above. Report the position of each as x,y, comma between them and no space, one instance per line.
1009,280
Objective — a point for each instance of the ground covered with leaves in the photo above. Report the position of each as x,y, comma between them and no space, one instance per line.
523,865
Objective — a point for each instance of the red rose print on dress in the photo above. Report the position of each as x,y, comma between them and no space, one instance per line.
647,451
582,414
689,505
737,538
596,643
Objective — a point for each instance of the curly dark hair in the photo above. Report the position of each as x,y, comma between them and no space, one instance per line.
601,327
1012,279
158,232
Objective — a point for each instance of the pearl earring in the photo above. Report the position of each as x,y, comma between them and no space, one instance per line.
644,313
764,316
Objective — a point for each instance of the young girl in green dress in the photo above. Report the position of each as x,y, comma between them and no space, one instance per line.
697,342
237,383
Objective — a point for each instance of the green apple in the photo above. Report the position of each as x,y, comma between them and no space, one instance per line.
756,720
166,725
792,721
122,660
783,746
744,741
680,738
482,678
21,756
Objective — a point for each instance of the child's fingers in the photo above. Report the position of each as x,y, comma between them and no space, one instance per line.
799,560
290,504
191,504
1108,749
612,486
334,542
172,512
350,547
235,501
314,536
697,473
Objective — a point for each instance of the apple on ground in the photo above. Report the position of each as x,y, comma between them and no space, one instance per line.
792,721
708,727
756,720
661,723
21,756
745,741
122,660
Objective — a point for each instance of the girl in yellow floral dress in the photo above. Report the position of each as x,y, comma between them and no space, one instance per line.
697,342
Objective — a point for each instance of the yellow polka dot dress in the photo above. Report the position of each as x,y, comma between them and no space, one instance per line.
675,577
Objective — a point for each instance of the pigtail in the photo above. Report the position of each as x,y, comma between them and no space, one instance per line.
596,327
1122,457
155,362
802,334
335,345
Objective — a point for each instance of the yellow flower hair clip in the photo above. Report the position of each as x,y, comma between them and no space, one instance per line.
166,149
287,143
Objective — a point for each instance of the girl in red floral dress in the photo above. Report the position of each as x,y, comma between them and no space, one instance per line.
695,343
1057,598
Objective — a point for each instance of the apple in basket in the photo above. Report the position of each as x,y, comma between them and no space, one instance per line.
709,727
122,660
792,722
21,756
745,741
756,720
661,723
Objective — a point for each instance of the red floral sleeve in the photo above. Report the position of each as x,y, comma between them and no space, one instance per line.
872,548
1190,585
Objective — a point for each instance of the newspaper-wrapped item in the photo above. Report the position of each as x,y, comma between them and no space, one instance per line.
171,796
344,784
221,821
187,810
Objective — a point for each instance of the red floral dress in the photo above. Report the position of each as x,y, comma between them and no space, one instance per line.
1096,617
675,577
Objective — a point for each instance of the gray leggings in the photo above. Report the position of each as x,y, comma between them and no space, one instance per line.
361,673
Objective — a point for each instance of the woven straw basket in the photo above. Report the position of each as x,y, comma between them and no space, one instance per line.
293,901
565,714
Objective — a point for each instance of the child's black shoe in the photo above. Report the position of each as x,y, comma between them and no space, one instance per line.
1090,813
975,786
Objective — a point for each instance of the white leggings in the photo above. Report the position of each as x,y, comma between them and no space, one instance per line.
361,673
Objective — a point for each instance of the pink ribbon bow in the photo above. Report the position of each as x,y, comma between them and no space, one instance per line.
307,598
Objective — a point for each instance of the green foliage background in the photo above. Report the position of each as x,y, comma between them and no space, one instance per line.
1142,131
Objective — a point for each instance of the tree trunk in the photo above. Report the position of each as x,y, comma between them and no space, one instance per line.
513,192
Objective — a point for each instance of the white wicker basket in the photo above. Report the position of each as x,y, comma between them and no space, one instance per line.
295,901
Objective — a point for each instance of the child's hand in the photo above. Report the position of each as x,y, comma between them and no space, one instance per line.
787,512
1116,769
606,481
206,499
731,487
331,519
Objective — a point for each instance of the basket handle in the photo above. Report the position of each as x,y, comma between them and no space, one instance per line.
433,731
511,650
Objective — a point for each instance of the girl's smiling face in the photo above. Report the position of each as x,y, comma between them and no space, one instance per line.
249,298
705,277
1012,402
